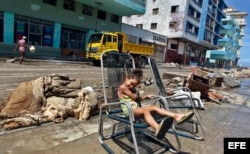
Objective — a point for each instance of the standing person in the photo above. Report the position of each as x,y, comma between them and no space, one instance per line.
125,94
22,48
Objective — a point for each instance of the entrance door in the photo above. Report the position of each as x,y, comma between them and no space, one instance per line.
72,42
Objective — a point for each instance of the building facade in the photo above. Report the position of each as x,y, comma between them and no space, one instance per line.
192,26
60,27
240,18
228,44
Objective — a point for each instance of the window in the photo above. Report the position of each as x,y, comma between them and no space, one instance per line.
192,29
101,15
72,39
207,36
189,27
153,25
139,26
87,10
69,5
50,2
156,11
175,9
172,25
35,32
194,13
107,38
173,46
198,2
38,32
114,18
115,39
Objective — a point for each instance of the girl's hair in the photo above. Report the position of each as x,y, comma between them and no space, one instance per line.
136,73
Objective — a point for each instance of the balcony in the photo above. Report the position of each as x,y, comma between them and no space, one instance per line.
242,34
118,7
227,39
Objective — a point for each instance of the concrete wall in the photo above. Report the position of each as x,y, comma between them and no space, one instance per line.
162,18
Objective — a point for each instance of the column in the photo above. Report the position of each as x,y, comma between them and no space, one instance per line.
8,28
57,35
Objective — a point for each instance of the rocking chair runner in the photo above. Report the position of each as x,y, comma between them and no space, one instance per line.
189,129
114,67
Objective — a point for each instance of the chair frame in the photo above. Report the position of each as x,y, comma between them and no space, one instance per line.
162,92
135,127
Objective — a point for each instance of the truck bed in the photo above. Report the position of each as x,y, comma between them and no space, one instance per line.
138,49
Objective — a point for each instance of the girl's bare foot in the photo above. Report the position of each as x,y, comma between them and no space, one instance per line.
180,118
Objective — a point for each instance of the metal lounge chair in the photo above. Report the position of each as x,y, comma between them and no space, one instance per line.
192,128
114,67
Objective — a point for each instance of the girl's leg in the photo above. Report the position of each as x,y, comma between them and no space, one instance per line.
160,129
21,58
138,112
176,116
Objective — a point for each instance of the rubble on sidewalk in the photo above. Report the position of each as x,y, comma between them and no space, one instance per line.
205,81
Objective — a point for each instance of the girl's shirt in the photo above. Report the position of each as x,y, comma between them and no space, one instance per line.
128,100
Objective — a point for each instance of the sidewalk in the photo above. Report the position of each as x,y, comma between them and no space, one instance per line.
73,136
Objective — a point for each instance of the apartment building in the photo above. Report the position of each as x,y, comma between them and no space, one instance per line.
228,44
58,27
240,18
192,26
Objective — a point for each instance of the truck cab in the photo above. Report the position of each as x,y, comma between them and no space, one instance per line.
99,43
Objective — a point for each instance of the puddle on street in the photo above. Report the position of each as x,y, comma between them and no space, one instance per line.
244,88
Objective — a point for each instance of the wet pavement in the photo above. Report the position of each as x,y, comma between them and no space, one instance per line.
80,137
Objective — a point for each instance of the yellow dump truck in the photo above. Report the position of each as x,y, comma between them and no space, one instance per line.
100,42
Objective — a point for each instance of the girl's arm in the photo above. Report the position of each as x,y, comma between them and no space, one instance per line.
133,96
125,91
147,97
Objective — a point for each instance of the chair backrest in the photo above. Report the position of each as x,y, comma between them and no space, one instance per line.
115,66
160,90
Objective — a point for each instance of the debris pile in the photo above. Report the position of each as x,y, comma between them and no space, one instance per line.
204,81
51,98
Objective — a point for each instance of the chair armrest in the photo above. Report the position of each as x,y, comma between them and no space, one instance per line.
128,105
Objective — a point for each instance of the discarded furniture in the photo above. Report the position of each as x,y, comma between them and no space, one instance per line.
216,81
197,83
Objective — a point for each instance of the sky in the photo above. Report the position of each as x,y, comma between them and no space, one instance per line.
244,6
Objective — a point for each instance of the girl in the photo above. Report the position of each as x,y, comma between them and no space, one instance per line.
125,94
22,48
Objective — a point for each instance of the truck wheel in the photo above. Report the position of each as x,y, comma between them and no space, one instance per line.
142,63
96,63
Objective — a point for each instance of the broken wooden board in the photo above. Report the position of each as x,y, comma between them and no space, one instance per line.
172,75
231,82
